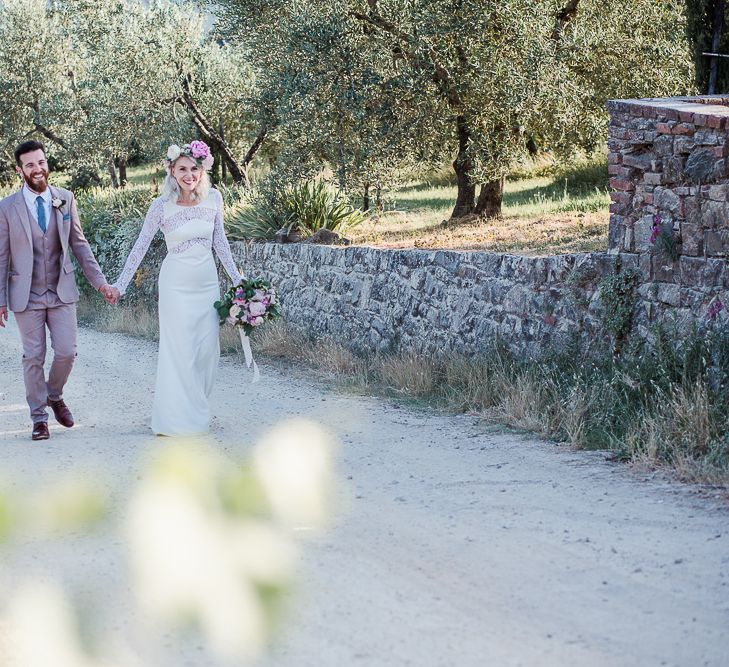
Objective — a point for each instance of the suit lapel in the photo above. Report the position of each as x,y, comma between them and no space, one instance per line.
22,212
62,231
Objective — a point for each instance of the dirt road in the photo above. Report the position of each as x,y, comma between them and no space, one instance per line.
454,545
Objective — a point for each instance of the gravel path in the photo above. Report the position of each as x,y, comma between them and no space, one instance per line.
455,544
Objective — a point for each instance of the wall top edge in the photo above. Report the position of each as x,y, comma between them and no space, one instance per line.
706,110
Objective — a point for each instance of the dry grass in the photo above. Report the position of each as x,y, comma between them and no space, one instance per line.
134,321
544,235
682,428
566,211
680,431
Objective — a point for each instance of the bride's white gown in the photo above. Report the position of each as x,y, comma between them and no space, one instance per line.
189,346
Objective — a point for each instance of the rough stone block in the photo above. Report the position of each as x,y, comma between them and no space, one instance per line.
716,122
683,145
650,178
691,270
669,294
692,239
666,199
663,145
663,269
622,184
700,165
716,243
673,171
713,214
614,158
684,129
718,192
705,138
642,233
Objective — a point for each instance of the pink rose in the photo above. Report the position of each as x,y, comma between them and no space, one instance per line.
258,295
256,321
208,162
256,309
239,302
199,149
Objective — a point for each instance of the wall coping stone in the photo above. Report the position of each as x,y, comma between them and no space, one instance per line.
703,110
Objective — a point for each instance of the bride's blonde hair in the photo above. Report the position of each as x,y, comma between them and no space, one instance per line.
171,190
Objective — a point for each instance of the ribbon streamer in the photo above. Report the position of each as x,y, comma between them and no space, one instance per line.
248,353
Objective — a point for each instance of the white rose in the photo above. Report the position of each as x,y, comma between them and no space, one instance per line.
173,152
256,309
234,310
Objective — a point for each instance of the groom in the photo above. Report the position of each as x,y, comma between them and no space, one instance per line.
39,229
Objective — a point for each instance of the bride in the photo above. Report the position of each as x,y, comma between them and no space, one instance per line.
190,215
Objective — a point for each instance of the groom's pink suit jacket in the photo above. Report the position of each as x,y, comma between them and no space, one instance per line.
16,251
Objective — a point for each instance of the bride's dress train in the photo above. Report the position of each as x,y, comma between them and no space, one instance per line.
189,346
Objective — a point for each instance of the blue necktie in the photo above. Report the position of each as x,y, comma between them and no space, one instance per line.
41,213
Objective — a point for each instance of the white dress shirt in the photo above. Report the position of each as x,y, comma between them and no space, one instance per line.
30,198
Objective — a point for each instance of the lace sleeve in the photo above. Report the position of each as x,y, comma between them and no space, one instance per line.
221,245
152,223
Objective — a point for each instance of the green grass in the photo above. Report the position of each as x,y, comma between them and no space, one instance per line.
564,210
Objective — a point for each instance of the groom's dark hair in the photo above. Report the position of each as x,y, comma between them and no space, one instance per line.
27,147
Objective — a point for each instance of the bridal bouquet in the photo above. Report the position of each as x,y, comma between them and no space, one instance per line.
249,304
246,306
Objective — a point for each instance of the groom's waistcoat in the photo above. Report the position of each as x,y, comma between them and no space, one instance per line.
47,252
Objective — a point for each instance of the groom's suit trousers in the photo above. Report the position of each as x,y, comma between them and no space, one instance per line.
60,318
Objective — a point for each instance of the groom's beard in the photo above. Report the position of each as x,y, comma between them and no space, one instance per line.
37,181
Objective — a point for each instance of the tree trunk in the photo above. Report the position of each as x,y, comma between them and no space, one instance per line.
223,174
378,198
206,131
112,173
716,42
123,172
366,198
215,171
341,159
255,147
462,165
490,198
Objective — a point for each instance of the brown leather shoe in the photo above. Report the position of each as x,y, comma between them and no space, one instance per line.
61,412
40,431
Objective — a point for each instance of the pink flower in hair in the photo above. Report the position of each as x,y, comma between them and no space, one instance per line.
199,149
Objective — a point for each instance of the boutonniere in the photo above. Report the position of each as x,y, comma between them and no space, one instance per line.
58,203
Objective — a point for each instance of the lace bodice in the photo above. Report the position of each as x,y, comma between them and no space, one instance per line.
183,228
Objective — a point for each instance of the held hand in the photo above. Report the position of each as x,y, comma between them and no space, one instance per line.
111,294
3,316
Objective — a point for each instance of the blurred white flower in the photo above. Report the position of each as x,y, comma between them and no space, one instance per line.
295,465
41,629
191,559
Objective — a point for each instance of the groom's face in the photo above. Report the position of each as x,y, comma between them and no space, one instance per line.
34,170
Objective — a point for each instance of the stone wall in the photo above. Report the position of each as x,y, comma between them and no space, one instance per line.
668,162
376,299
668,243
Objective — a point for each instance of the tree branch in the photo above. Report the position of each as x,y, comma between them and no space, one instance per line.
441,76
207,129
563,18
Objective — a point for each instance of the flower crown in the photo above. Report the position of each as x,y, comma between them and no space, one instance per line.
195,150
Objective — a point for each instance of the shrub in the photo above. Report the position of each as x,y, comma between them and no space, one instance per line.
306,207
84,178
111,220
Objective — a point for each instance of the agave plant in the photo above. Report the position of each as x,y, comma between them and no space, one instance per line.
306,207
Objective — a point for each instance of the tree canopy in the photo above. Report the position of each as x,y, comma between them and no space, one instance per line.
371,89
